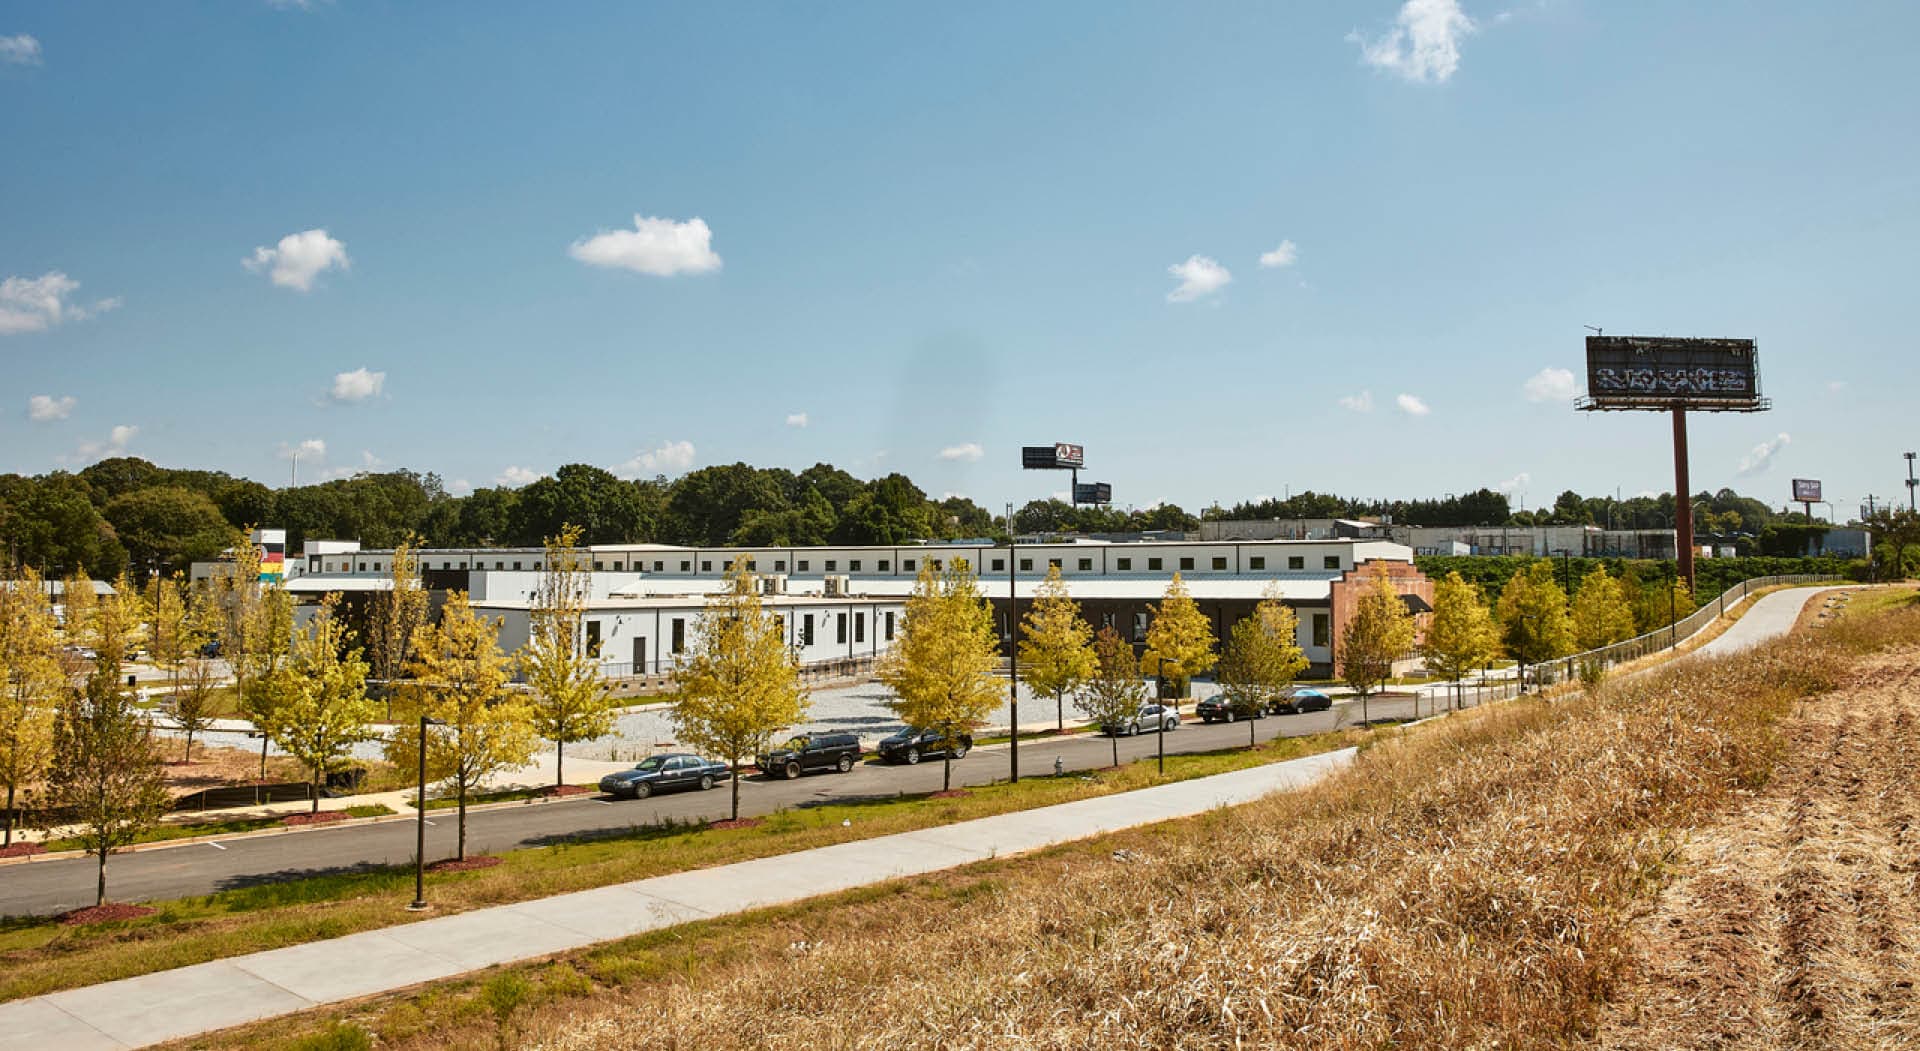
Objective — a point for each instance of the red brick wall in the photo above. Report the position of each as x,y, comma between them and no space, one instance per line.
1406,579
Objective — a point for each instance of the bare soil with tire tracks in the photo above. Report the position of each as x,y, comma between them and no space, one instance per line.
1796,920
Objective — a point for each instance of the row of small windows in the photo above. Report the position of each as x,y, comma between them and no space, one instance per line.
1218,563
803,636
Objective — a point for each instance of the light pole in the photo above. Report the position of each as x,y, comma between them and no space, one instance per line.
1911,483
420,823
1013,655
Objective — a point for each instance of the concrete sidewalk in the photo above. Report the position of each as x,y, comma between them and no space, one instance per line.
168,1005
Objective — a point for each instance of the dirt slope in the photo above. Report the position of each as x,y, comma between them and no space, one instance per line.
1796,920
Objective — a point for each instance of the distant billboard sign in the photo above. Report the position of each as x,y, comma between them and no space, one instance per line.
1059,456
1807,491
1093,493
1661,372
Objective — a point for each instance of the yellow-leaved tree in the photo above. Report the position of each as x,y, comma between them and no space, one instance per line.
1180,640
1462,635
1057,654
1602,614
1534,625
1112,696
321,709
571,701
392,618
1380,632
457,679
31,684
941,667
739,684
1262,656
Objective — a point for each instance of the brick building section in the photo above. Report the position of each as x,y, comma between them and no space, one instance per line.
1406,580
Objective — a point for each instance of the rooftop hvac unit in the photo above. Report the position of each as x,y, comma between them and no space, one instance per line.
839,586
773,584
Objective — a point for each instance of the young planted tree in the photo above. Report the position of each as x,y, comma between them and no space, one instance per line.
1534,625
77,602
1461,636
31,684
1057,654
1380,632
266,647
1602,615
321,709
1262,657
196,687
458,679
170,627
394,615
571,702
1113,695
941,667
105,776
1180,641
739,684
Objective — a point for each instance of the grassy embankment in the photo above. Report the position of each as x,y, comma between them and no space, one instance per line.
38,956
1470,884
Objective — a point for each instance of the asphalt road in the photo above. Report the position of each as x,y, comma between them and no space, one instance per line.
49,887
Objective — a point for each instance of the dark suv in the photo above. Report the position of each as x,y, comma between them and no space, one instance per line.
1224,708
910,744
810,752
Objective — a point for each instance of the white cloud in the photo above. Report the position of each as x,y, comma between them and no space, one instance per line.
1285,255
797,419
35,304
459,487
42,408
1515,484
358,385
299,258
21,50
1361,402
1199,276
1836,386
1424,44
1761,456
666,458
515,477
971,452
1555,385
1411,404
116,443
661,247
310,450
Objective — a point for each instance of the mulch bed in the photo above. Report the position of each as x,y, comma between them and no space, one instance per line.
21,850
745,822
951,793
552,791
104,914
478,861
324,817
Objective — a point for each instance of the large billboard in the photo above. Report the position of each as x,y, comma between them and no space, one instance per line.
1058,456
1661,372
1093,493
1807,491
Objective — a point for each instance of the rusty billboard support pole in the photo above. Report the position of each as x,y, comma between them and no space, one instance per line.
1682,499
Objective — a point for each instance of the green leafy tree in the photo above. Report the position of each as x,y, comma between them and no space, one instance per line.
321,709
1602,615
941,667
105,777
1461,636
1262,657
31,684
1180,640
1380,632
458,678
1113,696
166,527
571,701
1534,624
739,684
1056,655
393,617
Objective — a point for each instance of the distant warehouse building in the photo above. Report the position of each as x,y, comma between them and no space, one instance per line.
1533,541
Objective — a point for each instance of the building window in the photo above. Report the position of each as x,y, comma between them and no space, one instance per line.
907,564
679,635
1086,565
1331,561
536,565
832,565
806,630
596,567
937,566
889,625
1126,564
657,566
376,568
859,627
593,638
999,565
1322,630
726,566
1296,561
516,566
363,567
685,565
1219,564
499,565
804,565
1026,565
1257,562
618,566
753,565
1139,626
840,627
883,565
1153,565
706,565
1186,563
779,565
1053,563
853,566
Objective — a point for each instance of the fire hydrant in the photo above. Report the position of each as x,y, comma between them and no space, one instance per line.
1059,767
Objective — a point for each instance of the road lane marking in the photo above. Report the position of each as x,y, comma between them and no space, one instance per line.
215,846
602,802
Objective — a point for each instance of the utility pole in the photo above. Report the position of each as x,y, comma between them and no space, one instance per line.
1911,483
1013,656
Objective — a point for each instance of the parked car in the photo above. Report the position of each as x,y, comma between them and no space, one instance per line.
1222,708
912,744
1149,719
1303,701
662,773
810,752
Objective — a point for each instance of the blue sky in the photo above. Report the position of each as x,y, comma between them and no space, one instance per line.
942,231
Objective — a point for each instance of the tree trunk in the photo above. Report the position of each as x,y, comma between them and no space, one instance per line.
315,793
946,771
736,790
100,890
187,755
559,763
460,853
1364,717
1115,739
263,755
1250,739
9,840
1059,712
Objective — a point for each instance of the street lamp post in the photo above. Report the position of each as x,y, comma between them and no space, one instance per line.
1911,482
420,823
1013,655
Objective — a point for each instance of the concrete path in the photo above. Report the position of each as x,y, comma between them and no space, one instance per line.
169,1005
1772,616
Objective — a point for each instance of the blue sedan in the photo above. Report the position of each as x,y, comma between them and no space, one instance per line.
662,773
